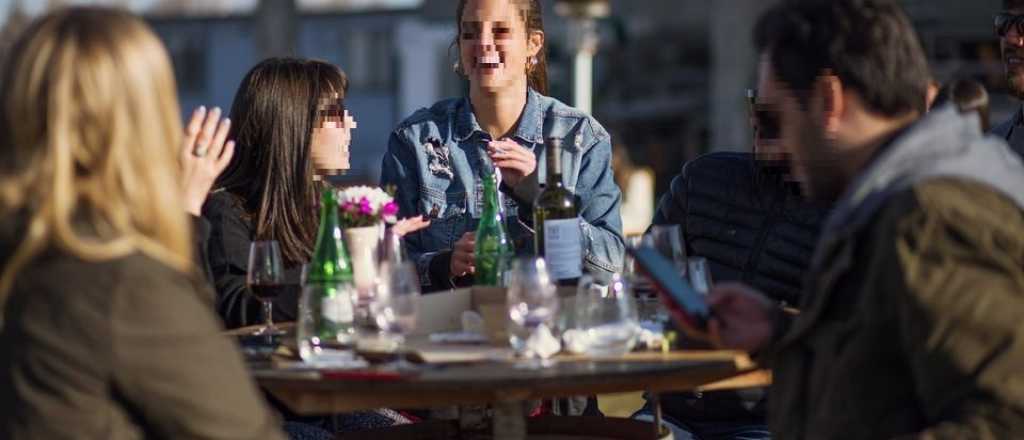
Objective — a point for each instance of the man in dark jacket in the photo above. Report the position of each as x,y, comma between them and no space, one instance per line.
1009,26
743,212
909,326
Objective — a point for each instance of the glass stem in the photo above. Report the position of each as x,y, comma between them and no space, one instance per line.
268,313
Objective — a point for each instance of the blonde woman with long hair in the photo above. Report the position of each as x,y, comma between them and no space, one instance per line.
107,329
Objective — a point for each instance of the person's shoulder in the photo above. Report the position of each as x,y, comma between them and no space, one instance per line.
224,205
719,165
560,114
958,209
438,114
1003,129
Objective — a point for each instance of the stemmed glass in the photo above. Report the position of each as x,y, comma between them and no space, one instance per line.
533,309
265,280
700,274
396,304
668,241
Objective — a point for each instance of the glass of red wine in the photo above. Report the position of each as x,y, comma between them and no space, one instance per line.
266,280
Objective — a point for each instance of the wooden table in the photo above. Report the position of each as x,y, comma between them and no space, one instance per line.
506,385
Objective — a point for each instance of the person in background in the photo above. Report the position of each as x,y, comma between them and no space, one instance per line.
438,157
108,330
969,96
1009,27
909,324
744,213
637,184
290,122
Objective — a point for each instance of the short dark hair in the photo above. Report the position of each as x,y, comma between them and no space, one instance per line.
1012,4
869,44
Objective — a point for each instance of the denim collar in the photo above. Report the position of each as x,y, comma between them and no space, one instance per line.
529,129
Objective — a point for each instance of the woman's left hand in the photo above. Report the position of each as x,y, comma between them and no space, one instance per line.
205,153
408,226
514,161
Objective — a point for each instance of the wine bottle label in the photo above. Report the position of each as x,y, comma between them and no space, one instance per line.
563,249
338,308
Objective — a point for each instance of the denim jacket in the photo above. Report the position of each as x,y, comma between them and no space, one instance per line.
437,157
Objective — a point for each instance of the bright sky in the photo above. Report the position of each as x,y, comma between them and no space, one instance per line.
36,6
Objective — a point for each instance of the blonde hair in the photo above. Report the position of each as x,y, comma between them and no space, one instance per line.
89,134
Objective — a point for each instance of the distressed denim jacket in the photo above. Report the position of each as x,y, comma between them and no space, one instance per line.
436,160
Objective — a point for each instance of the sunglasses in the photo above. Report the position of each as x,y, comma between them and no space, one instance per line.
1005,21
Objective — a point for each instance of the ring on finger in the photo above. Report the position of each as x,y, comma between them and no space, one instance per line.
200,152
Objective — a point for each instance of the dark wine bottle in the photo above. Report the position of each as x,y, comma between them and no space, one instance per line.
556,218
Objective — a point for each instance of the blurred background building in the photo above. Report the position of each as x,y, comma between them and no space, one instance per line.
670,76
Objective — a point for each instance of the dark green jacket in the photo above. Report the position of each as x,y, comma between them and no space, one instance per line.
123,349
913,321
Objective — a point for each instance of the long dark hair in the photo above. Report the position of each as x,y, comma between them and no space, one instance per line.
273,117
537,77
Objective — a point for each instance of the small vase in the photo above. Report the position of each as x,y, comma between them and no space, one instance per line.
362,246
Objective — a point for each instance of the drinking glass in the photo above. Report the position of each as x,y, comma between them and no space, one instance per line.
532,309
700,275
668,241
396,304
391,248
607,316
265,280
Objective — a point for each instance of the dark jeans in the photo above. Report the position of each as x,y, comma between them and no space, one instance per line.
709,430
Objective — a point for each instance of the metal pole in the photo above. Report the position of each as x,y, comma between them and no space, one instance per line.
583,31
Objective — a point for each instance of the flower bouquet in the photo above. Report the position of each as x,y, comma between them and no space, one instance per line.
362,206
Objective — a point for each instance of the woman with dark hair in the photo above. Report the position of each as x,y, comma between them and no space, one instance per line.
438,157
290,127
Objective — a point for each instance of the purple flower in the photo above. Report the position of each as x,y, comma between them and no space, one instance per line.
365,207
391,208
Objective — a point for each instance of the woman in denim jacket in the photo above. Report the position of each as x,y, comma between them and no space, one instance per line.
437,157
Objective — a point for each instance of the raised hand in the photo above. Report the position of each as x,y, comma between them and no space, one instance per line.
205,153
514,161
409,225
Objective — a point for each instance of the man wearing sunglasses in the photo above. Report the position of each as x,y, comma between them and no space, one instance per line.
744,213
1009,27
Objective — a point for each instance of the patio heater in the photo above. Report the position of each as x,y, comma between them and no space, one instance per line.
583,38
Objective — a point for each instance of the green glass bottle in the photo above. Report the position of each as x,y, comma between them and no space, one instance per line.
556,218
330,262
493,247
326,315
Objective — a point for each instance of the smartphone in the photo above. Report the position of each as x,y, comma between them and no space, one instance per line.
688,305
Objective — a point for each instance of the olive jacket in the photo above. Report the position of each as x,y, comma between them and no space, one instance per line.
122,349
911,323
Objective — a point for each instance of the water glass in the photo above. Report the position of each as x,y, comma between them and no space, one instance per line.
396,304
606,316
532,308
668,241
325,329
700,274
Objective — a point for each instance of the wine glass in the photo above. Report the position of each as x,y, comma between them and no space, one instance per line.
700,274
533,309
391,248
668,241
396,304
265,280
607,316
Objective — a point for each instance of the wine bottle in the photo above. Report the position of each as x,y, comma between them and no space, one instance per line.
493,247
556,218
327,294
